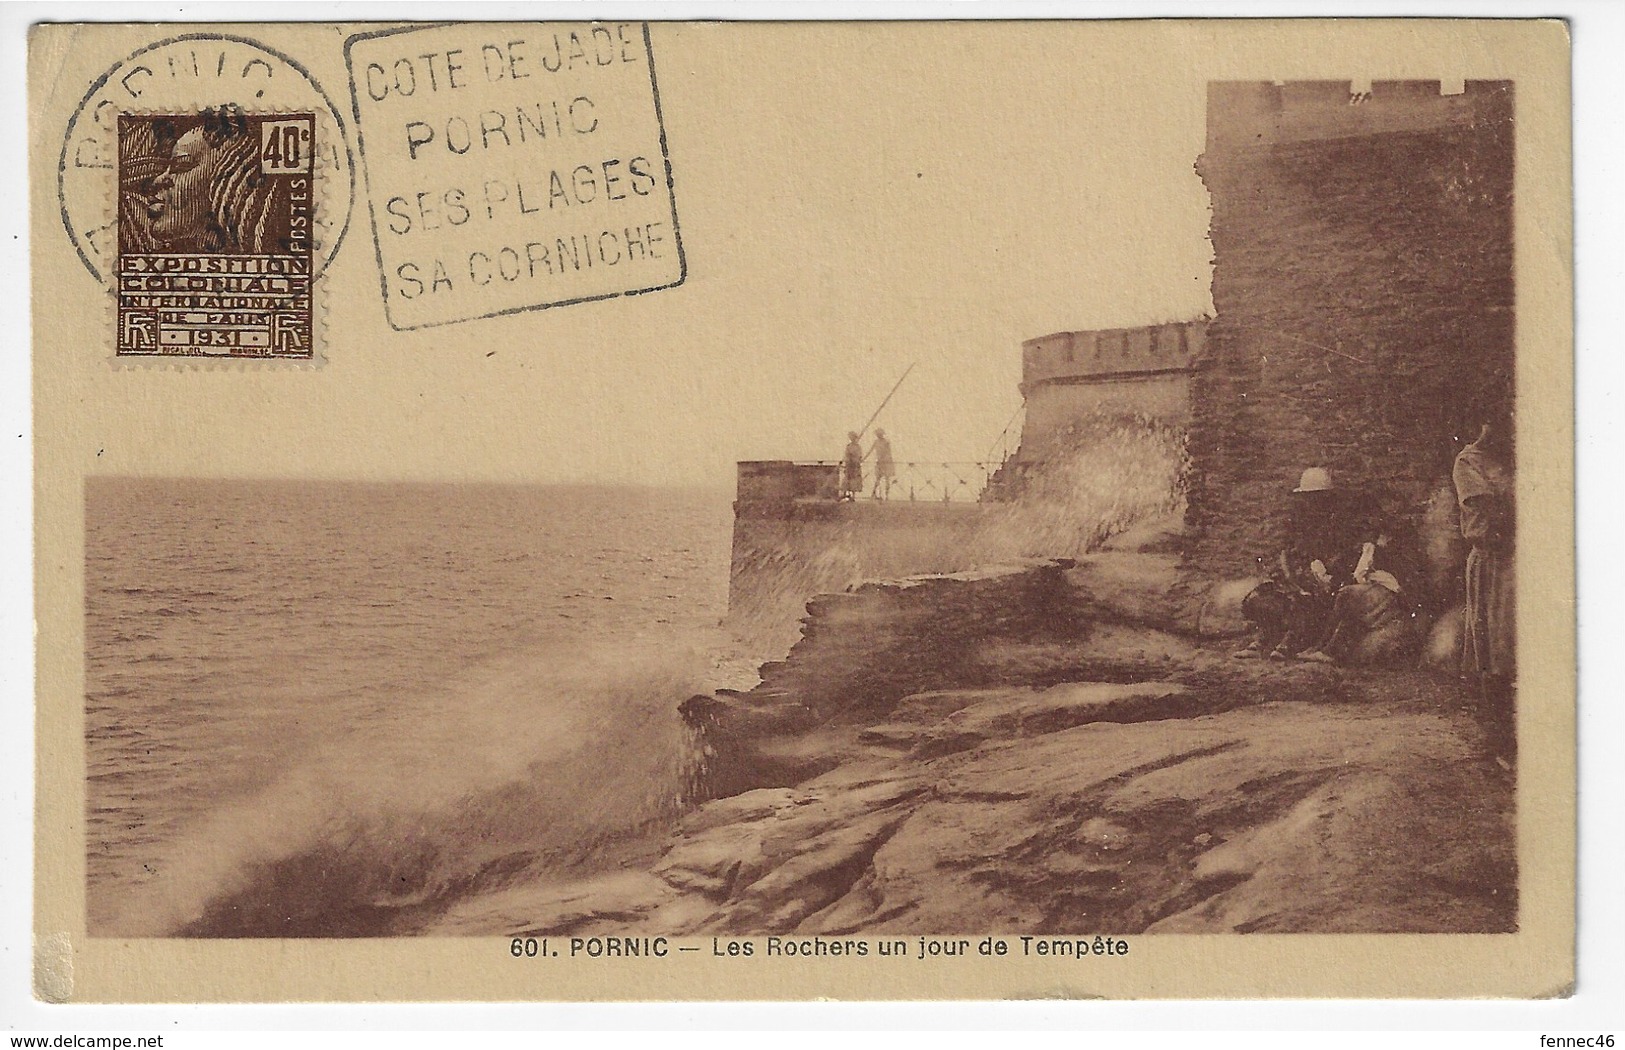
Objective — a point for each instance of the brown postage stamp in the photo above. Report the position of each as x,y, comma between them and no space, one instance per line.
215,225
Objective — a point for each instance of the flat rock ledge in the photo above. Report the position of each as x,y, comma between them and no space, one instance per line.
1089,807
1040,749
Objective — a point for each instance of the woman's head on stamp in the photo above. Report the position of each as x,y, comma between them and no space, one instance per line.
194,185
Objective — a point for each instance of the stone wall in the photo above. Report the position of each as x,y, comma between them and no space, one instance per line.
1053,407
1072,376
786,552
863,650
1364,298
1111,352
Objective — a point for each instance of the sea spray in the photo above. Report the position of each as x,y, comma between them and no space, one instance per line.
538,767
1100,476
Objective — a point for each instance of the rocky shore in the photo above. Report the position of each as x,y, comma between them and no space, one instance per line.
1062,748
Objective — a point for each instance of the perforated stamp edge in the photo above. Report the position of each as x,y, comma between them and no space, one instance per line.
330,205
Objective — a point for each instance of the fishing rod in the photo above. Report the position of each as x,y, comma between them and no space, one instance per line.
886,402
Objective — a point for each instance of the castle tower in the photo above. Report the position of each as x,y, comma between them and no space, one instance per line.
1363,290
1071,377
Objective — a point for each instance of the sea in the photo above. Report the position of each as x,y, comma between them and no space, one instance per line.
344,709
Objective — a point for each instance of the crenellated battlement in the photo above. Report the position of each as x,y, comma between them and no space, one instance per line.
1252,113
1364,298
1110,354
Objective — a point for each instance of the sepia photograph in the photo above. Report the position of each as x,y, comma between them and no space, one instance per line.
630,500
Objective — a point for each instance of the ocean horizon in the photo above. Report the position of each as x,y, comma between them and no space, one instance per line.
338,706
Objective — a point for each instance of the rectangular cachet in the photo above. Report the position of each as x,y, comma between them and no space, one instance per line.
215,223
513,167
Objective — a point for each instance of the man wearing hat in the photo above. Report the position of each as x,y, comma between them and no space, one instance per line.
1292,610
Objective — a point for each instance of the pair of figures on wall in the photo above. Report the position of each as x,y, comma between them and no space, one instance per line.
852,466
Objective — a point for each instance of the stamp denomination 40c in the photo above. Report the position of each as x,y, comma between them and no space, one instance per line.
215,230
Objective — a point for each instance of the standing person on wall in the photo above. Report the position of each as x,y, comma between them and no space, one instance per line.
885,467
852,467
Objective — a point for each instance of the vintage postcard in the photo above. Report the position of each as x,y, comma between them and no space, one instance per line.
909,510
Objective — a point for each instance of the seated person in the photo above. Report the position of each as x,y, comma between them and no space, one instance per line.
1375,617
1292,610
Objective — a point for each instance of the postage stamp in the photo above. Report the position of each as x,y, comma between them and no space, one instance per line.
513,167
215,216
159,123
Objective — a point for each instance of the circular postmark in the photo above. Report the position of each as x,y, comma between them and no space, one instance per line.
186,75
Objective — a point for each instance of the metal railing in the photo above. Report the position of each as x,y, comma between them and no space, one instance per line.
915,481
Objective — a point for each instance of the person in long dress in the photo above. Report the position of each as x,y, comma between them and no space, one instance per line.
852,467
1484,491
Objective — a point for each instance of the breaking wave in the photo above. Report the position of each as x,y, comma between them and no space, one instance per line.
546,766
